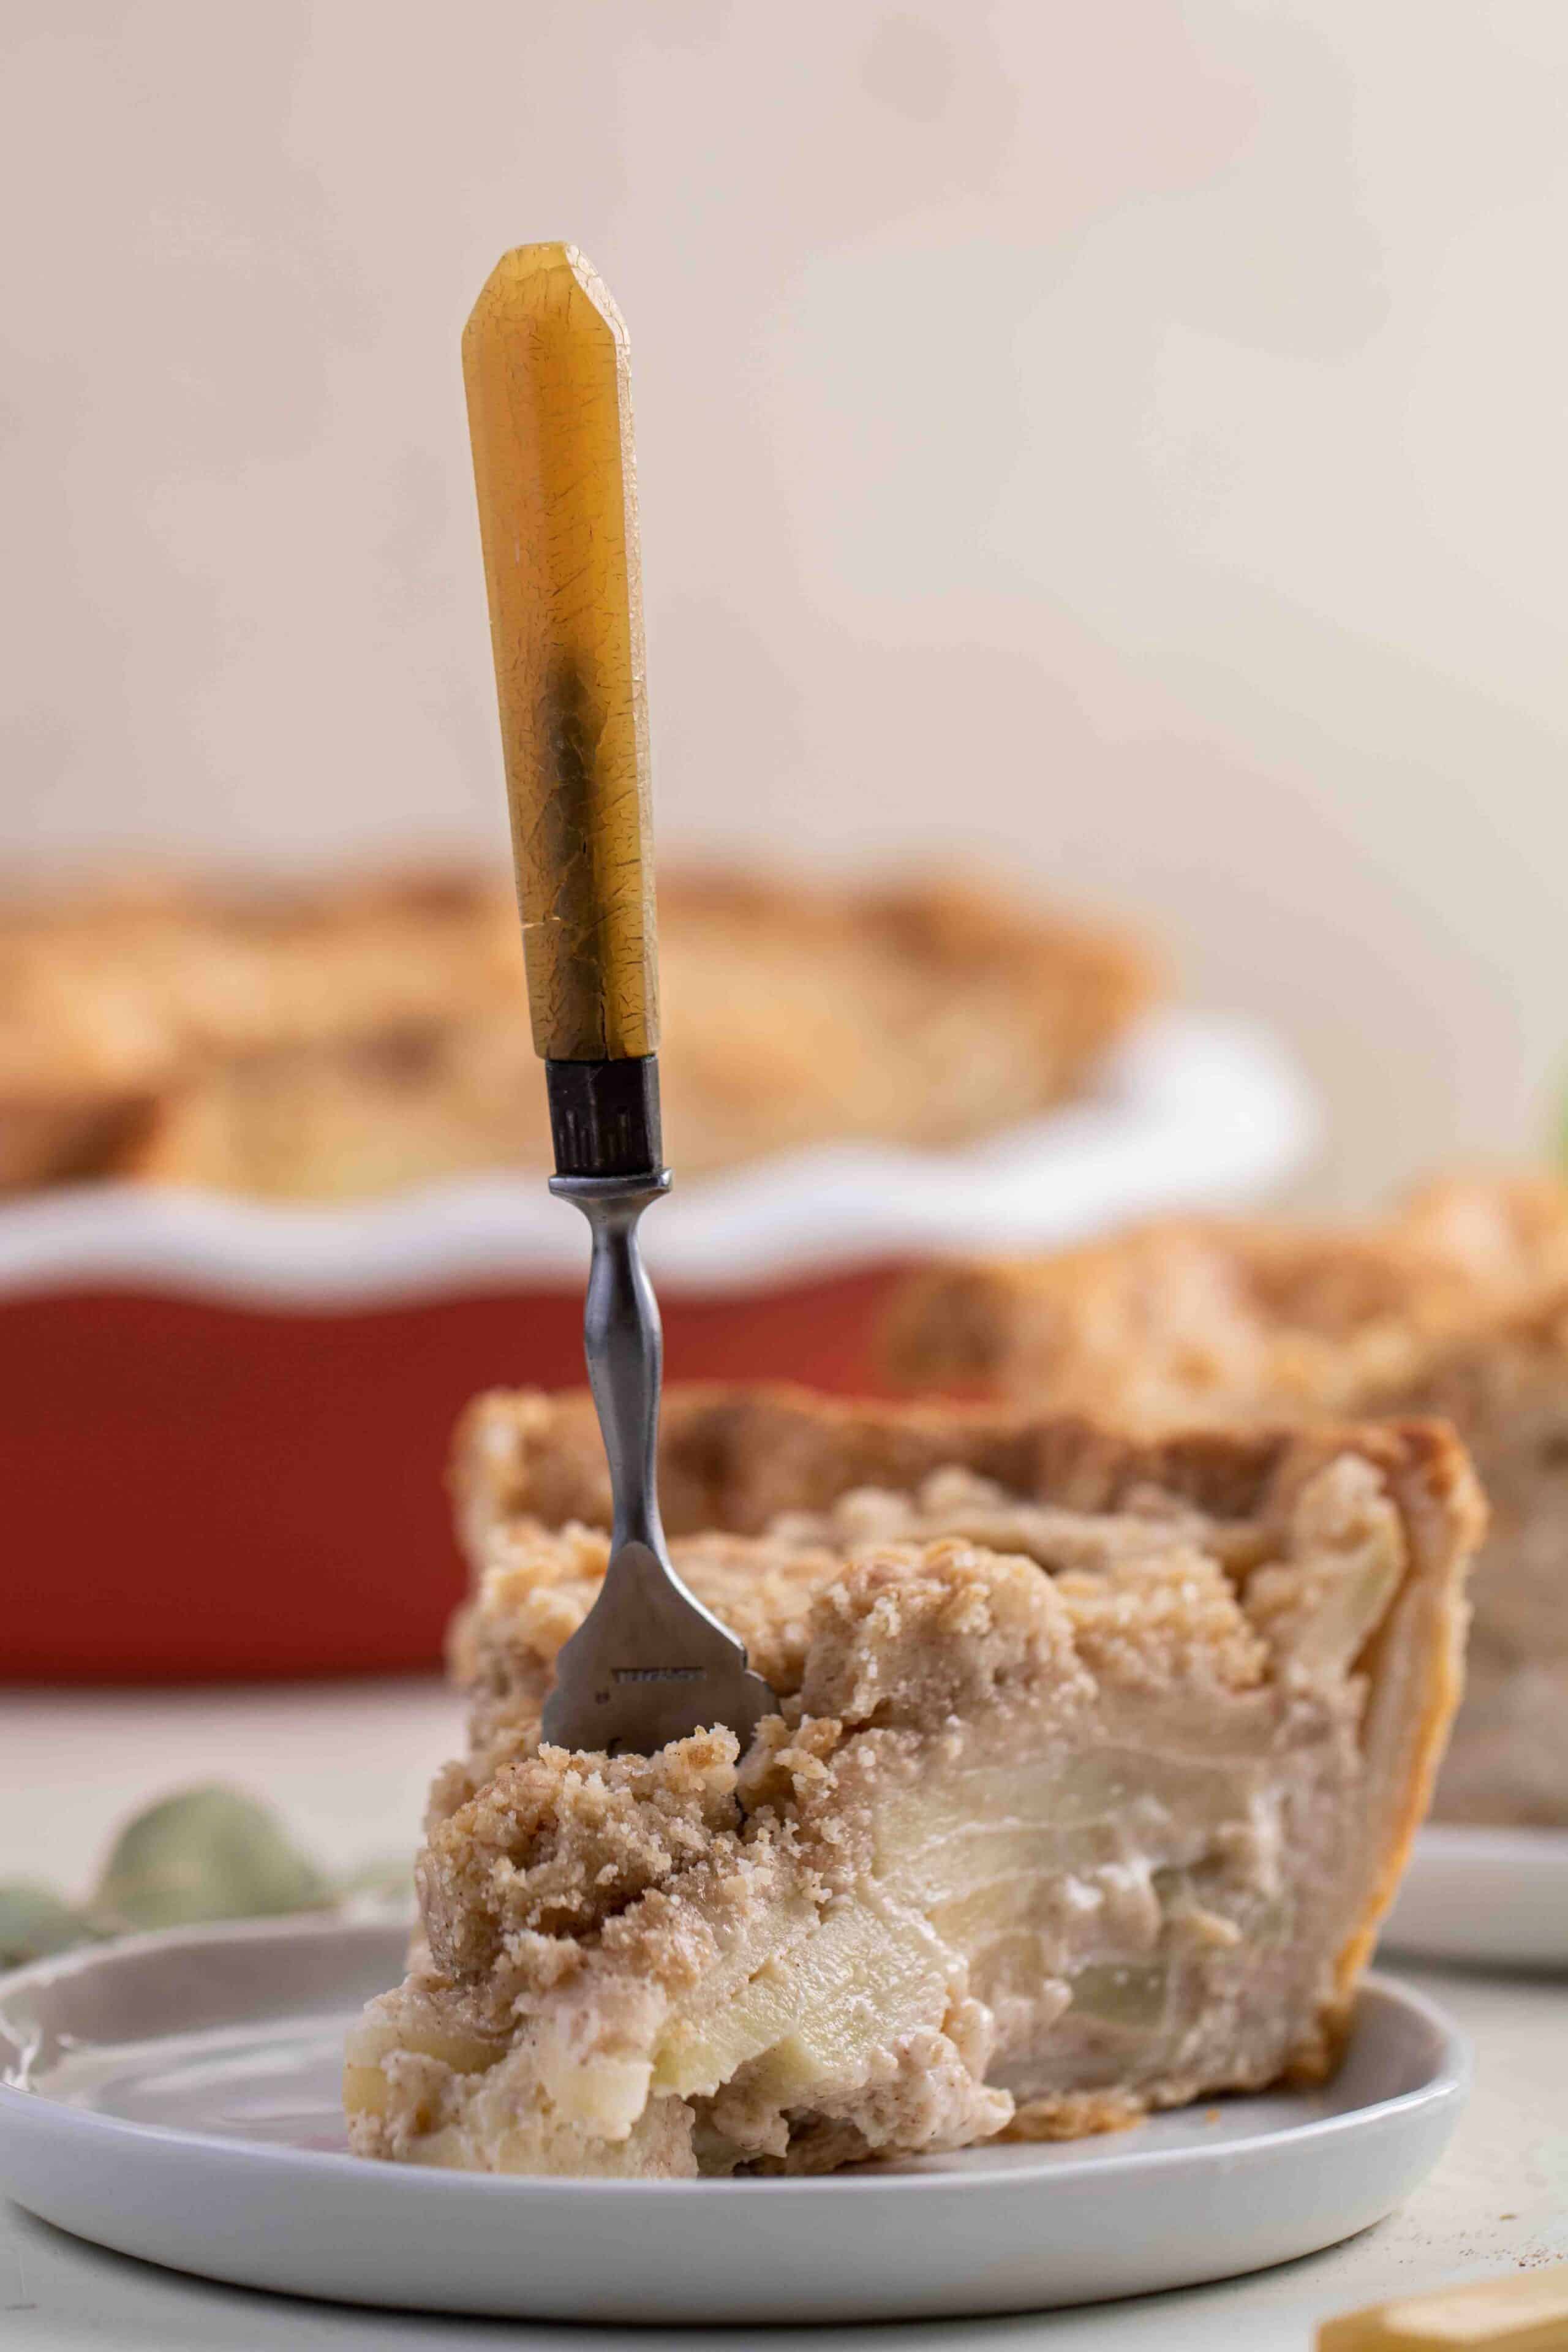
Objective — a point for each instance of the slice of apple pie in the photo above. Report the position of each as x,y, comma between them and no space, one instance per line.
1094,1769
1457,1304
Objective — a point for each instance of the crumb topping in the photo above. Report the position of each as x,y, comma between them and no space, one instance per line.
913,1635
912,1607
556,1844
1171,1324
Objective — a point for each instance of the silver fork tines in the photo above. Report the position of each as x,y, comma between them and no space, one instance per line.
648,1664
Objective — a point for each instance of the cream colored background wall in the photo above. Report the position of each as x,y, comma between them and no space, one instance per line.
1124,441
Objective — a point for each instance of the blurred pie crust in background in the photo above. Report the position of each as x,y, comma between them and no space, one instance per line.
1454,1306
344,1040
299,1245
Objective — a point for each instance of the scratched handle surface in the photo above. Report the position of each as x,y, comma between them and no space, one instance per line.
545,365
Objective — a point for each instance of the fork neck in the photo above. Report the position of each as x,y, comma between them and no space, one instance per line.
605,1121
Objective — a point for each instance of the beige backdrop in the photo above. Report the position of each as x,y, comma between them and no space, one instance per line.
1124,441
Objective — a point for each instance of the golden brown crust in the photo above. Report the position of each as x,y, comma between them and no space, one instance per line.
122,1006
1508,1229
326,1039
734,1456
1076,2115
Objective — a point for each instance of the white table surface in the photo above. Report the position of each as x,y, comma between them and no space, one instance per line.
347,1765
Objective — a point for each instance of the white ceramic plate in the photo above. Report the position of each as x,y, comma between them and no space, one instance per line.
1496,1896
175,2097
1194,1111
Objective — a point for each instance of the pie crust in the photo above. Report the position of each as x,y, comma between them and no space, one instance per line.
1096,1767
349,1041
1457,1305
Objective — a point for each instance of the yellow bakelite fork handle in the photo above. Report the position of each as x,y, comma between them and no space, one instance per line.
546,364
1525,2311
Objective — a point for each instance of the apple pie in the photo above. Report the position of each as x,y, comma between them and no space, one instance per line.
1457,1305
339,1041
1094,1769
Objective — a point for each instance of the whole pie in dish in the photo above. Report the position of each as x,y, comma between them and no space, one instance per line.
352,1040
1095,1769
1457,1305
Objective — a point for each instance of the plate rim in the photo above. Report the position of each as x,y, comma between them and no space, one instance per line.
1483,1895
1450,2081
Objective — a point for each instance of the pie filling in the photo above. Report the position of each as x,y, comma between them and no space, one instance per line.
1024,1850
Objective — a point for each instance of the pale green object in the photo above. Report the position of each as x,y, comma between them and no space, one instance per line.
34,1922
206,1854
